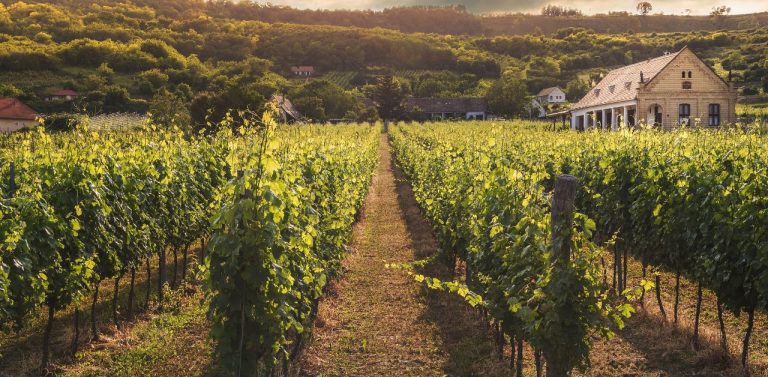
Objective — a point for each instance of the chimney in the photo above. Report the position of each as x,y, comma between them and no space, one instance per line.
642,79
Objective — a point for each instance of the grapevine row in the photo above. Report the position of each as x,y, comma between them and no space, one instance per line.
279,237
691,202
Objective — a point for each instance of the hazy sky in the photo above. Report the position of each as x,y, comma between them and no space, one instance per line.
586,6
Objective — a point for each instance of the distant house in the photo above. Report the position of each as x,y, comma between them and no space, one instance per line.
551,95
287,112
303,71
666,91
449,108
15,115
62,95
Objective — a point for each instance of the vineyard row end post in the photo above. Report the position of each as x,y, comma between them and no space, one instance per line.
563,199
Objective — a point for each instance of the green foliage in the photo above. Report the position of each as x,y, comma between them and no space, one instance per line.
494,213
507,95
90,205
279,235
388,97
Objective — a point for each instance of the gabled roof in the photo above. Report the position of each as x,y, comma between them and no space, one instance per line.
286,108
11,108
448,105
622,84
547,91
64,93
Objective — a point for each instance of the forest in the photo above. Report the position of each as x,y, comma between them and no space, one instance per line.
221,55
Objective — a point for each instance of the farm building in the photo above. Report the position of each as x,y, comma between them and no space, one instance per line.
449,108
15,115
303,70
667,91
62,95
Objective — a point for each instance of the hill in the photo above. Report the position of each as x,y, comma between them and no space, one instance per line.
121,54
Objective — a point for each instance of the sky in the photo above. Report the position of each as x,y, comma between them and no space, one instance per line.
534,6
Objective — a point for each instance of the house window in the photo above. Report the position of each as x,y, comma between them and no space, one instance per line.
684,114
714,114
689,74
687,85
683,74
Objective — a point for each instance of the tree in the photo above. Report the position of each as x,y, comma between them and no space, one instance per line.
507,95
311,107
720,11
388,97
575,89
9,90
167,110
644,7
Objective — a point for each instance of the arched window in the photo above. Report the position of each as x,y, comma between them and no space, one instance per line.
684,114
687,85
683,74
689,74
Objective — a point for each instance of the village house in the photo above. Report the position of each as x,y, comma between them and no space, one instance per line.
303,71
449,108
15,115
62,95
546,100
667,91
551,95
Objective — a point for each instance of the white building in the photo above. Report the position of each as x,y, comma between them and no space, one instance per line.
551,95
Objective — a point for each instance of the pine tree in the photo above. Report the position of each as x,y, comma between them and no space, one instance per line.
388,97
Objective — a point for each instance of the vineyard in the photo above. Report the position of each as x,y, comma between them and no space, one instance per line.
292,230
82,207
689,202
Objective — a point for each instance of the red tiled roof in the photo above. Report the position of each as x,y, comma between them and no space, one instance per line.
64,93
622,84
11,108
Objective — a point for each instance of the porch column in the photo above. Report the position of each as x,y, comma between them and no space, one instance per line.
626,116
614,119
604,113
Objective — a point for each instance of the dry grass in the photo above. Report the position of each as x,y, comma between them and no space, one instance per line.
379,322
648,346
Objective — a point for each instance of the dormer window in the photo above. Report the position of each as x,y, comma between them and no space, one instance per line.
597,92
612,88
687,85
628,84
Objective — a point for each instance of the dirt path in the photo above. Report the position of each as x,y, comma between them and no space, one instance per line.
379,322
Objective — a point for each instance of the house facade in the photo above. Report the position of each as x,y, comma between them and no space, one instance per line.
551,95
469,108
62,95
667,91
15,115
